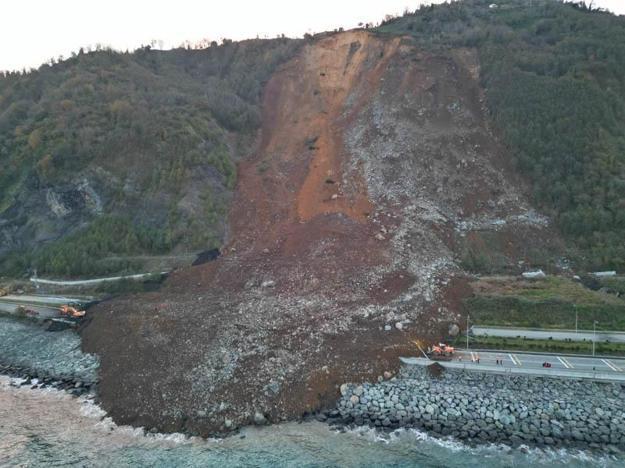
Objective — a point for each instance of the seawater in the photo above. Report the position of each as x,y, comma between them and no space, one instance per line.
48,427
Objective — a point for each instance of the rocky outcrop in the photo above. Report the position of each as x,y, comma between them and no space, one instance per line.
480,407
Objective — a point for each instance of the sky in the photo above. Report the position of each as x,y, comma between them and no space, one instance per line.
33,31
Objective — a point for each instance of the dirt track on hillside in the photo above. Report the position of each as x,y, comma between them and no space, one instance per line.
342,244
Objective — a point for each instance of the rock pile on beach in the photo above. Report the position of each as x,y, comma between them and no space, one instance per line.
39,379
479,407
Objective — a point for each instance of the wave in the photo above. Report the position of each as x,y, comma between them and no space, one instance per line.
31,427
534,455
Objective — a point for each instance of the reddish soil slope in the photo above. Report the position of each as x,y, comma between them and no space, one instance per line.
374,166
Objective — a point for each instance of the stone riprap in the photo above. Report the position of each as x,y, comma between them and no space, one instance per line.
479,407
42,358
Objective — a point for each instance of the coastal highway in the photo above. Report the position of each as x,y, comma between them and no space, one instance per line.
42,311
606,369
515,360
43,307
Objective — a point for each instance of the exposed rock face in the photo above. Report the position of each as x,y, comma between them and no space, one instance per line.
49,210
492,408
345,220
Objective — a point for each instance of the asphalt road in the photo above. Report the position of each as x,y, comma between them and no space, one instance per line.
45,300
613,337
535,361
91,282
43,306
42,312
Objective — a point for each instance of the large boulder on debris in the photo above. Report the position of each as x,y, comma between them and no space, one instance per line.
538,274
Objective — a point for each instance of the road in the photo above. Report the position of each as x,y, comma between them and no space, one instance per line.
91,282
45,300
513,363
44,307
42,312
535,361
582,335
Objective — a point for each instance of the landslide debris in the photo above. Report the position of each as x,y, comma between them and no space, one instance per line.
374,164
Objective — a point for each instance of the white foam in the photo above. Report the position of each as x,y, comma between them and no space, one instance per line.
544,456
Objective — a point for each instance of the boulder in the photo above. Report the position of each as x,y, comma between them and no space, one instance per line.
453,330
259,419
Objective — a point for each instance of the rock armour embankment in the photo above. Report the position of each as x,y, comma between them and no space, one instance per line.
480,407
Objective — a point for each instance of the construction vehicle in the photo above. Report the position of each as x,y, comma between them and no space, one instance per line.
71,311
441,351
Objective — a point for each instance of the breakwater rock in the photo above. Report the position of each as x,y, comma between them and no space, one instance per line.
479,407
42,358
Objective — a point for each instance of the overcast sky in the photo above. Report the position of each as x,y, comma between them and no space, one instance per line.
33,31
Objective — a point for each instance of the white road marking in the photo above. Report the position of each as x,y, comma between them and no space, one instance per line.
563,362
611,366
567,362
515,360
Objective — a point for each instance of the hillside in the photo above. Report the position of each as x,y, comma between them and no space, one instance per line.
554,78
107,155
376,170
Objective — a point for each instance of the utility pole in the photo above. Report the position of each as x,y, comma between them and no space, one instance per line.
594,336
575,307
467,331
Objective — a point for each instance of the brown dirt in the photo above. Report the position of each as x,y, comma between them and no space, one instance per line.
318,259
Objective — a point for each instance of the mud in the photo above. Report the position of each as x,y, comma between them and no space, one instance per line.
340,250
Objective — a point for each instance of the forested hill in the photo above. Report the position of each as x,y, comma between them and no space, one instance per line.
108,155
554,75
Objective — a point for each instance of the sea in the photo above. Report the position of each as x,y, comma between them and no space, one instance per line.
49,427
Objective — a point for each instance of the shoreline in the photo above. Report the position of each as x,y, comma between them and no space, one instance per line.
39,380
478,408
510,410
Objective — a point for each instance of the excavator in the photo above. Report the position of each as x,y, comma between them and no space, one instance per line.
71,311
442,351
